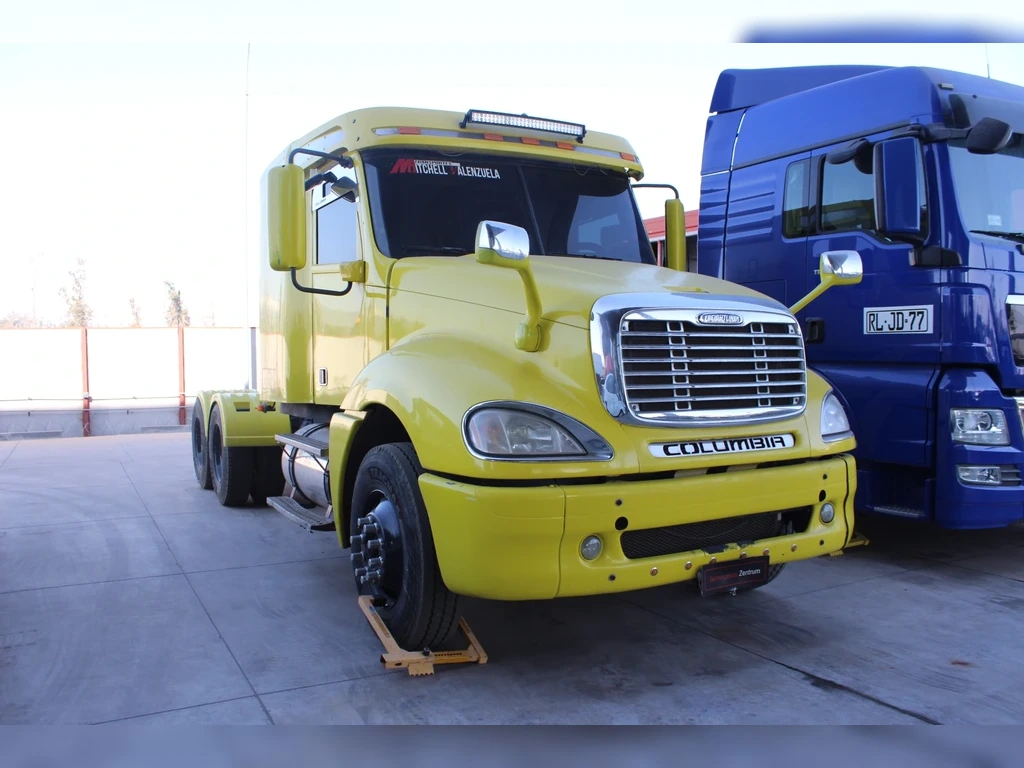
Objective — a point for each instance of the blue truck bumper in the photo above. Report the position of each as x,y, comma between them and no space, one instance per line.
961,504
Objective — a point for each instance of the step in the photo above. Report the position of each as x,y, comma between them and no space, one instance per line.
313,447
899,511
315,519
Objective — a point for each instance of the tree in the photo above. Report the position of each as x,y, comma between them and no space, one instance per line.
177,314
79,311
18,320
136,317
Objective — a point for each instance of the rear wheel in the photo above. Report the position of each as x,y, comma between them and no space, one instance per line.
393,556
231,468
267,477
200,455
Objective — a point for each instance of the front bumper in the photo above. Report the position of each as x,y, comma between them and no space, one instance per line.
505,543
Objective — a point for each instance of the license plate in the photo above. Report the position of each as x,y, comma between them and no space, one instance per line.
898,319
738,574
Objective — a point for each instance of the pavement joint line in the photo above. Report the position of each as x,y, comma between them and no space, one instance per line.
263,565
202,605
824,681
94,583
227,647
986,573
172,709
72,522
8,456
356,679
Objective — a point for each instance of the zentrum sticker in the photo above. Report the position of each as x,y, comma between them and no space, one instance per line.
443,168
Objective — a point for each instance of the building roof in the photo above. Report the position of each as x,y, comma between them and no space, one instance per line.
656,226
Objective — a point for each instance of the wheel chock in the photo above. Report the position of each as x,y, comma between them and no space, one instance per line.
857,540
422,662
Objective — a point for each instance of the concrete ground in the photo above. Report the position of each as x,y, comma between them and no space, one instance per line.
127,594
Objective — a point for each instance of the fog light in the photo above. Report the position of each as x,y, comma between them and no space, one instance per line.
827,513
980,475
590,548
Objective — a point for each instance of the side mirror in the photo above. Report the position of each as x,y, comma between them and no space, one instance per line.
508,246
346,189
286,218
675,235
841,268
502,245
988,136
835,268
898,176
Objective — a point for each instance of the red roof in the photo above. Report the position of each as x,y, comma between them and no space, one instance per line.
656,226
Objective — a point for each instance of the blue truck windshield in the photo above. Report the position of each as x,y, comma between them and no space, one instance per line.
990,188
430,203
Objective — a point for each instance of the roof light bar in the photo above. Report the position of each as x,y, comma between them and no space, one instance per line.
524,121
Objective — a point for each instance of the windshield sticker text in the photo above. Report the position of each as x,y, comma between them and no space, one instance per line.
443,168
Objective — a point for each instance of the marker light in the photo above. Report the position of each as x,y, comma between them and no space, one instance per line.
590,548
980,475
524,121
827,513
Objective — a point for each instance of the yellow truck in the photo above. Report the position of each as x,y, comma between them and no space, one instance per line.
473,371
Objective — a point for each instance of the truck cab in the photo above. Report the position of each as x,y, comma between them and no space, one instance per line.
921,173
476,376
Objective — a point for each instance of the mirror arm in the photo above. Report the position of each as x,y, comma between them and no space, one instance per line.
344,162
819,289
657,186
318,291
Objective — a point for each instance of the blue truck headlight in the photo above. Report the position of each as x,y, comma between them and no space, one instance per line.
979,426
834,423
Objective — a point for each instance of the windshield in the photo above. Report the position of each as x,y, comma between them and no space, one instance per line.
430,203
990,188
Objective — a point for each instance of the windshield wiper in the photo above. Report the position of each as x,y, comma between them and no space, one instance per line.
453,250
1018,236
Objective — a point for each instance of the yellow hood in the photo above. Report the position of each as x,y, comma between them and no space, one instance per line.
568,286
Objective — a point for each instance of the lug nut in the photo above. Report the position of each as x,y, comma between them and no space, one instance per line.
363,521
373,576
360,572
357,541
375,562
373,544
357,558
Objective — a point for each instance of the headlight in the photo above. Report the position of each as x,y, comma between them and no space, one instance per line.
834,424
524,431
976,426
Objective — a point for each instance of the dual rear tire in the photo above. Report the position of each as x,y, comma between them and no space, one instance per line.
235,473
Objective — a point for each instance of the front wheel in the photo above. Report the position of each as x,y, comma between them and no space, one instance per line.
393,556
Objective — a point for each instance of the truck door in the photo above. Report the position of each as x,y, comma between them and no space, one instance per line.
766,200
877,342
339,339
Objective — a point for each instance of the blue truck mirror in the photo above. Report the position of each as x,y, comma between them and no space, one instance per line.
898,193
988,136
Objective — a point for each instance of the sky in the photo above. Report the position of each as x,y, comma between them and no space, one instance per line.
134,137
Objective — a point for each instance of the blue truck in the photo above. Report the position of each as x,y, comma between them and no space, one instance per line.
920,171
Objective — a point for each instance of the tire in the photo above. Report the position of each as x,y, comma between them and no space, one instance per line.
412,599
230,468
267,477
200,454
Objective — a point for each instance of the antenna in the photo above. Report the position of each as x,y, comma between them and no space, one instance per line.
988,69
245,254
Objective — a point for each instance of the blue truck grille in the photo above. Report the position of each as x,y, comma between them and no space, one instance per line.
677,370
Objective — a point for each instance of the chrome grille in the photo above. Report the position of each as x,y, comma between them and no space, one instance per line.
675,369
